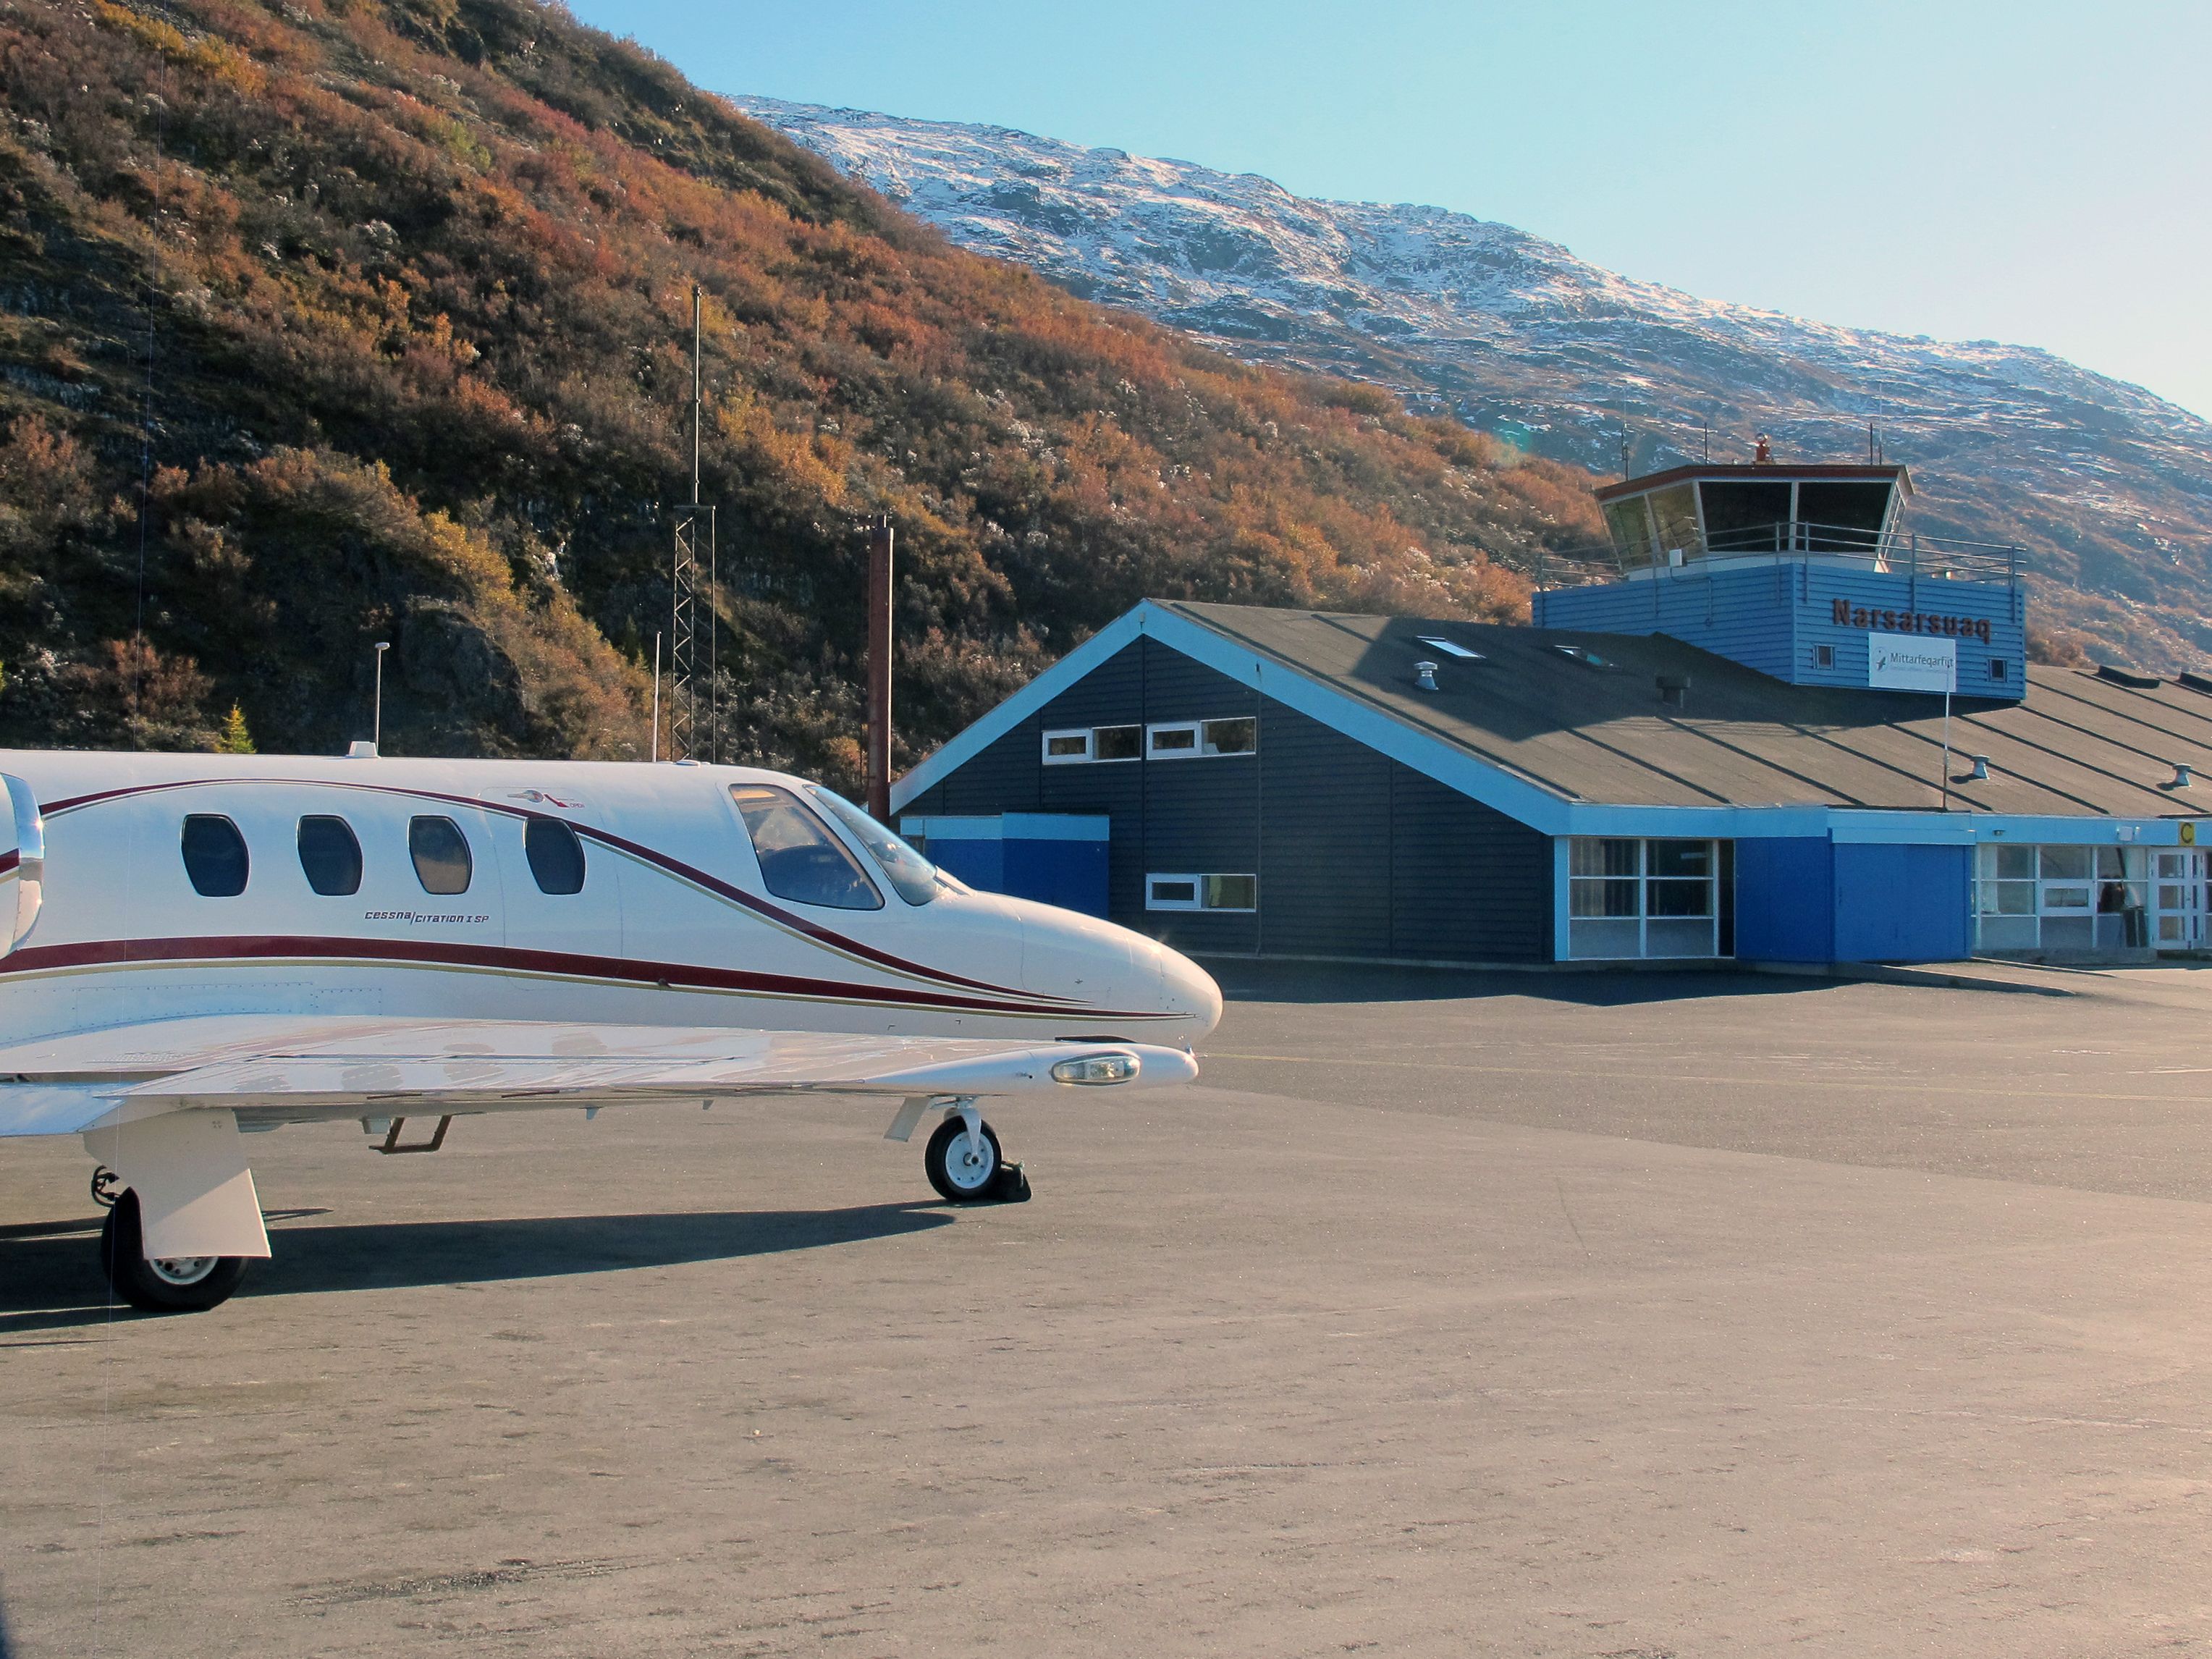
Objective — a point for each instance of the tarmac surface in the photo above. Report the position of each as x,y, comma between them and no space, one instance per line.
1636,1316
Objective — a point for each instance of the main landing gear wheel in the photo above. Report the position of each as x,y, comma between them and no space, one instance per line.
177,1284
966,1171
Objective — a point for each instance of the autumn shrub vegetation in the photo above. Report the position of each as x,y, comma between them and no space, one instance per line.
333,321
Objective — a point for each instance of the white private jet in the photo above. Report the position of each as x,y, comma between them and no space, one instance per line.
200,947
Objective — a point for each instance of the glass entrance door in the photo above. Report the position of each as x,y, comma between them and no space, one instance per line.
2179,898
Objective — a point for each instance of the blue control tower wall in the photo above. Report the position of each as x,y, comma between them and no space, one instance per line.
1778,616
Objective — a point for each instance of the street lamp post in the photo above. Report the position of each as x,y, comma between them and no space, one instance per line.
376,727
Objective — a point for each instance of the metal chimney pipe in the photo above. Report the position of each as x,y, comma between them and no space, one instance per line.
879,670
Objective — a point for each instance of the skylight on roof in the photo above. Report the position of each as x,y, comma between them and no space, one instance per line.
1450,647
1583,654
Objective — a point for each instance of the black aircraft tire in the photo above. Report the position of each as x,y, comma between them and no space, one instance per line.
974,1183
187,1285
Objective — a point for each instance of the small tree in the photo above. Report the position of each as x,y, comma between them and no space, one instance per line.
234,739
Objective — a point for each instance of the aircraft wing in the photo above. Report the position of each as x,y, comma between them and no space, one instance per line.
273,1069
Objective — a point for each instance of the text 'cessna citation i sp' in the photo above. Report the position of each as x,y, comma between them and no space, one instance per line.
194,948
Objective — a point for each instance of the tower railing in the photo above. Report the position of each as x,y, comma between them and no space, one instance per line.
1903,553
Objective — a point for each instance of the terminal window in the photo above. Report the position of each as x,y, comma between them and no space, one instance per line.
1190,739
1078,745
1202,892
1636,897
2032,897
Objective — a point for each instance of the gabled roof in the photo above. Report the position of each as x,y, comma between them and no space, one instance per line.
1544,722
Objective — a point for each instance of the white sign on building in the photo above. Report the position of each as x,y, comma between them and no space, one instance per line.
1906,662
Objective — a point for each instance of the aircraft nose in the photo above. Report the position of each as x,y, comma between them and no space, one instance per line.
1189,990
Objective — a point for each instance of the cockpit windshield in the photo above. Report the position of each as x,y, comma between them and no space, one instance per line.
918,880
799,859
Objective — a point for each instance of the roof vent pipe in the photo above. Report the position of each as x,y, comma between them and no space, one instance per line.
1981,772
1671,688
2182,780
1424,676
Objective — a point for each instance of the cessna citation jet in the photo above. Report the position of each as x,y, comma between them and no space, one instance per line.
198,948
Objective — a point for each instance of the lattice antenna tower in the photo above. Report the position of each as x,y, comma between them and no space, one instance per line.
694,716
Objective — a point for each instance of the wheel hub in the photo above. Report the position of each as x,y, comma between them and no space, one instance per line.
182,1270
970,1163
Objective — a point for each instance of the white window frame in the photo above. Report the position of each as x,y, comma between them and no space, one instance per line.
1089,757
1051,759
1201,747
1205,738
1644,878
2136,861
1152,740
1197,900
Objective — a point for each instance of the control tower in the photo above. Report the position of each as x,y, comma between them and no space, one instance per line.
1805,572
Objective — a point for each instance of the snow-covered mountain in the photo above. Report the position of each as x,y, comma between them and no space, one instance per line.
2108,487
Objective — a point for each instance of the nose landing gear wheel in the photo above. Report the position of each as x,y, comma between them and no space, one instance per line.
176,1284
964,1172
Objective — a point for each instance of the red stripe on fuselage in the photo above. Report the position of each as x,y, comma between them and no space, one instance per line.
674,975
775,913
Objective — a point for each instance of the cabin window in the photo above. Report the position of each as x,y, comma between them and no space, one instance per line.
1202,892
1076,745
799,859
441,853
329,856
215,856
2000,669
557,856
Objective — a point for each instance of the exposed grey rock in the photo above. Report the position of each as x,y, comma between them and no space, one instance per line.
2108,487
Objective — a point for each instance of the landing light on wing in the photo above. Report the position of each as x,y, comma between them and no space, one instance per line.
1097,1068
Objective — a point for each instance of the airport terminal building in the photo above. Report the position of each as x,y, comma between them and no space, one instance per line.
1732,745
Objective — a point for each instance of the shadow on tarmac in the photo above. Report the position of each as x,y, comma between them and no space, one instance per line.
1613,985
50,1271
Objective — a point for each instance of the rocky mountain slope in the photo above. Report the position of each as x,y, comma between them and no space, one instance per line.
2108,487
323,322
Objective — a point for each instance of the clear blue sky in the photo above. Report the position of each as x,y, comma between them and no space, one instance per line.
2031,172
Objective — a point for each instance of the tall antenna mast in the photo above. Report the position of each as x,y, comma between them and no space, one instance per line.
692,576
